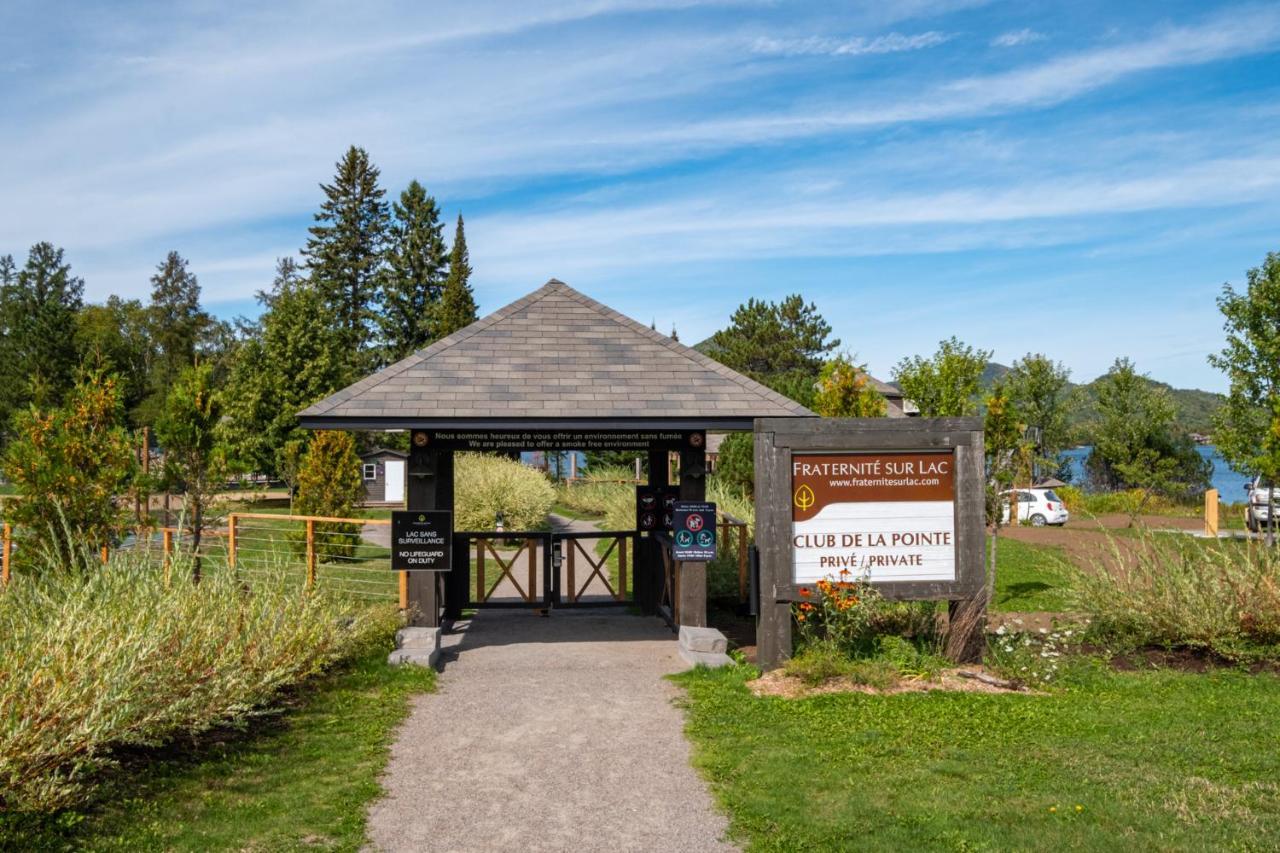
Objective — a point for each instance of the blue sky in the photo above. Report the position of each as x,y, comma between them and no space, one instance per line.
1072,178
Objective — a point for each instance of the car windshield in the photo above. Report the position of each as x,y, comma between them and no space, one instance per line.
1050,496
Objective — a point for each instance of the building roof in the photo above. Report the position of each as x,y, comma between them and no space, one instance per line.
384,451
555,357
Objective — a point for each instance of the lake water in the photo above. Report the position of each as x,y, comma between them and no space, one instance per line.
1230,484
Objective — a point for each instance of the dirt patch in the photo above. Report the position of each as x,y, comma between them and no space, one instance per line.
778,683
1183,660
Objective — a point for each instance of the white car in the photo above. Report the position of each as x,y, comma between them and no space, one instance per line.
1257,514
1038,506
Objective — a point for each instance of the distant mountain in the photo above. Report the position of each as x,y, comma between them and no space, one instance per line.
1194,407
993,373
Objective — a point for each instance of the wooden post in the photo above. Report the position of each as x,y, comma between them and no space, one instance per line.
6,549
480,587
231,541
570,560
532,546
106,555
404,590
622,567
1211,513
742,563
691,578
311,553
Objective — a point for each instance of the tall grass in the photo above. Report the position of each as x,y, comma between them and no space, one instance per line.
120,656
1176,591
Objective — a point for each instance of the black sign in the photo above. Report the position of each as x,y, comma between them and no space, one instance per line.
422,540
482,440
654,506
694,534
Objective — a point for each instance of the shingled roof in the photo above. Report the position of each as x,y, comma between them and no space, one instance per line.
554,358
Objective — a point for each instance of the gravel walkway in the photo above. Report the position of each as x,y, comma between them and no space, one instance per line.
551,733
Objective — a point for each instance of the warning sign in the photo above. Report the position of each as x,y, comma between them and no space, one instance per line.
421,540
694,531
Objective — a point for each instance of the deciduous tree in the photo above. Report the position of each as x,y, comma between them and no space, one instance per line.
294,360
329,484
845,391
194,464
1247,428
1041,390
947,384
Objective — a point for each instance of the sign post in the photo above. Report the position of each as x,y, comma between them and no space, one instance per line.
693,531
895,502
421,540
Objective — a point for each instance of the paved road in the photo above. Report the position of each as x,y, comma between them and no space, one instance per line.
548,734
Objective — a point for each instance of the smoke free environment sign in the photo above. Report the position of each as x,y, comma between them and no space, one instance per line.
879,516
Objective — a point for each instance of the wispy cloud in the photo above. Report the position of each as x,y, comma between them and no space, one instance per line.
856,46
1014,38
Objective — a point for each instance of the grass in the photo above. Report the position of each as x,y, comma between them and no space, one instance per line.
577,514
1148,760
301,781
1031,577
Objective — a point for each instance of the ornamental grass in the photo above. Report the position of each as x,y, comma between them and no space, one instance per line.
1172,590
132,655
488,485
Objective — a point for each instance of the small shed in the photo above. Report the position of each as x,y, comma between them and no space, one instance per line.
382,470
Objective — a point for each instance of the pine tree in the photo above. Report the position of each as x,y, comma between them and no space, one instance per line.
675,336
116,336
345,254
417,263
38,310
177,320
290,363
782,345
457,308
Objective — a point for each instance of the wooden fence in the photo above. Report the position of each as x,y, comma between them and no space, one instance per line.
307,549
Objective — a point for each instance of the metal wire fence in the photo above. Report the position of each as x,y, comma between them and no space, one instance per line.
351,556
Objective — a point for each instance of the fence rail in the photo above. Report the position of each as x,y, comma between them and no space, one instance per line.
327,550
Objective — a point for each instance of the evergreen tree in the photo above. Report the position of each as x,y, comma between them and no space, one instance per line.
457,308
417,263
345,255
947,384
8,271
675,336
38,310
293,361
782,345
177,321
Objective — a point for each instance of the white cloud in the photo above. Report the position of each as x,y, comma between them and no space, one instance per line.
856,46
1014,38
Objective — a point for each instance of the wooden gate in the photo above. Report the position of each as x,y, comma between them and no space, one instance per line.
537,569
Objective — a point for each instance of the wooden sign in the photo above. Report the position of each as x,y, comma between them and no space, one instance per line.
874,516
421,541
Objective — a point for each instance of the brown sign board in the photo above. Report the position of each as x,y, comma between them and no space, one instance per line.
874,516
897,501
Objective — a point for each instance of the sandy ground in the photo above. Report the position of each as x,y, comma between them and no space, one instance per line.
554,733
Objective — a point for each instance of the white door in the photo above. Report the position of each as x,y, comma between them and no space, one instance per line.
395,481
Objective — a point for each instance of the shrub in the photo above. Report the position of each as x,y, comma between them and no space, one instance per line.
329,484
487,485
1178,591
121,657
68,465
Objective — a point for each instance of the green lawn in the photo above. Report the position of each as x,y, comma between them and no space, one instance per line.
298,782
1031,577
1136,761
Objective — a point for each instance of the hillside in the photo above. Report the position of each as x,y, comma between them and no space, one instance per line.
1194,407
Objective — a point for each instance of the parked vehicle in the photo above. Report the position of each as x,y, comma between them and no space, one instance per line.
1257,513
1037,506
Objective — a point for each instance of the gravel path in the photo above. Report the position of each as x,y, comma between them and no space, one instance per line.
551,733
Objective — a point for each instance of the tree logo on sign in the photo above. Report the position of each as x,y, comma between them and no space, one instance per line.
805,497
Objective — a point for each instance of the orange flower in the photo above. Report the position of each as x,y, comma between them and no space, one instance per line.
804,591
799,617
